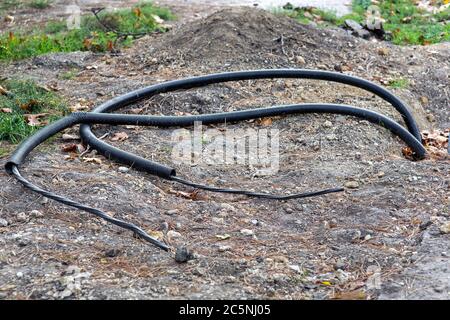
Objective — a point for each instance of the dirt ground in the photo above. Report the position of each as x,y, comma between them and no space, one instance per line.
384,238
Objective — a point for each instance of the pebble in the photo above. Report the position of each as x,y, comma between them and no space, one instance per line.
3,222
300,60
123,169
327,124
111,253
295,268
172,234
247,232
36,213
351,184
445,228
183,254
217,220
19,274
172,212
224,248
22,217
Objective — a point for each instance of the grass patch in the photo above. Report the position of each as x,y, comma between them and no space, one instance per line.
55,37
400,83
26,108
40,4
404,21
68,75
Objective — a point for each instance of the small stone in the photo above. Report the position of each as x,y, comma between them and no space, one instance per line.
3,222
445,228
288,210
247,232
22,217
66,293
339,265
224,248
172,234
254,222
357,29
123,169
300,60
383,51
424,100
172,212
327,124
19,274
183,254
295,268
351,184
217,220
36,213
380,174
111,253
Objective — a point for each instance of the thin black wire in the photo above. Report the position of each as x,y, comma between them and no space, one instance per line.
256,194
120,223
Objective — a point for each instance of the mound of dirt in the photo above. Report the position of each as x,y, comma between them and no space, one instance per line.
249,38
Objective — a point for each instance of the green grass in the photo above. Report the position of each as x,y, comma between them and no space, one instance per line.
26,97
55,37
400,83
40,4
68,75
405,23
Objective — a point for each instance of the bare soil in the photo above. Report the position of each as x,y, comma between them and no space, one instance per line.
385,231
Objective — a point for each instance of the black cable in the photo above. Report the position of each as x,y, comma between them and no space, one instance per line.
256,194
120,223
98,117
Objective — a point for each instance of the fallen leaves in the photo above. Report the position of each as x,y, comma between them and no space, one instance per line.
35,119
73,147
436,143
3,91
119,136
93,160
6,110
78,107
30,105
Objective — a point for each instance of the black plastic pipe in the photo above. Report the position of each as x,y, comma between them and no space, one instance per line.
411,137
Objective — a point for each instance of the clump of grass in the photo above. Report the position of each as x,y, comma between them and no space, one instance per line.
40,4
404,21
25,98
90,36
9,4
400,83
68,75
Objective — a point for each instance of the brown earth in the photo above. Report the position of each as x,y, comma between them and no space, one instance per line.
334,246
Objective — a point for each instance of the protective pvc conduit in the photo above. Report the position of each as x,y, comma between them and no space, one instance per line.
411,135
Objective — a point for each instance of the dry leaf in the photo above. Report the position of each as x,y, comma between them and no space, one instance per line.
70,147
119,136
66,136
78,107
6,110
29,105
159,235
223,236
265,122
3,91
158,19
95,160
33,119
